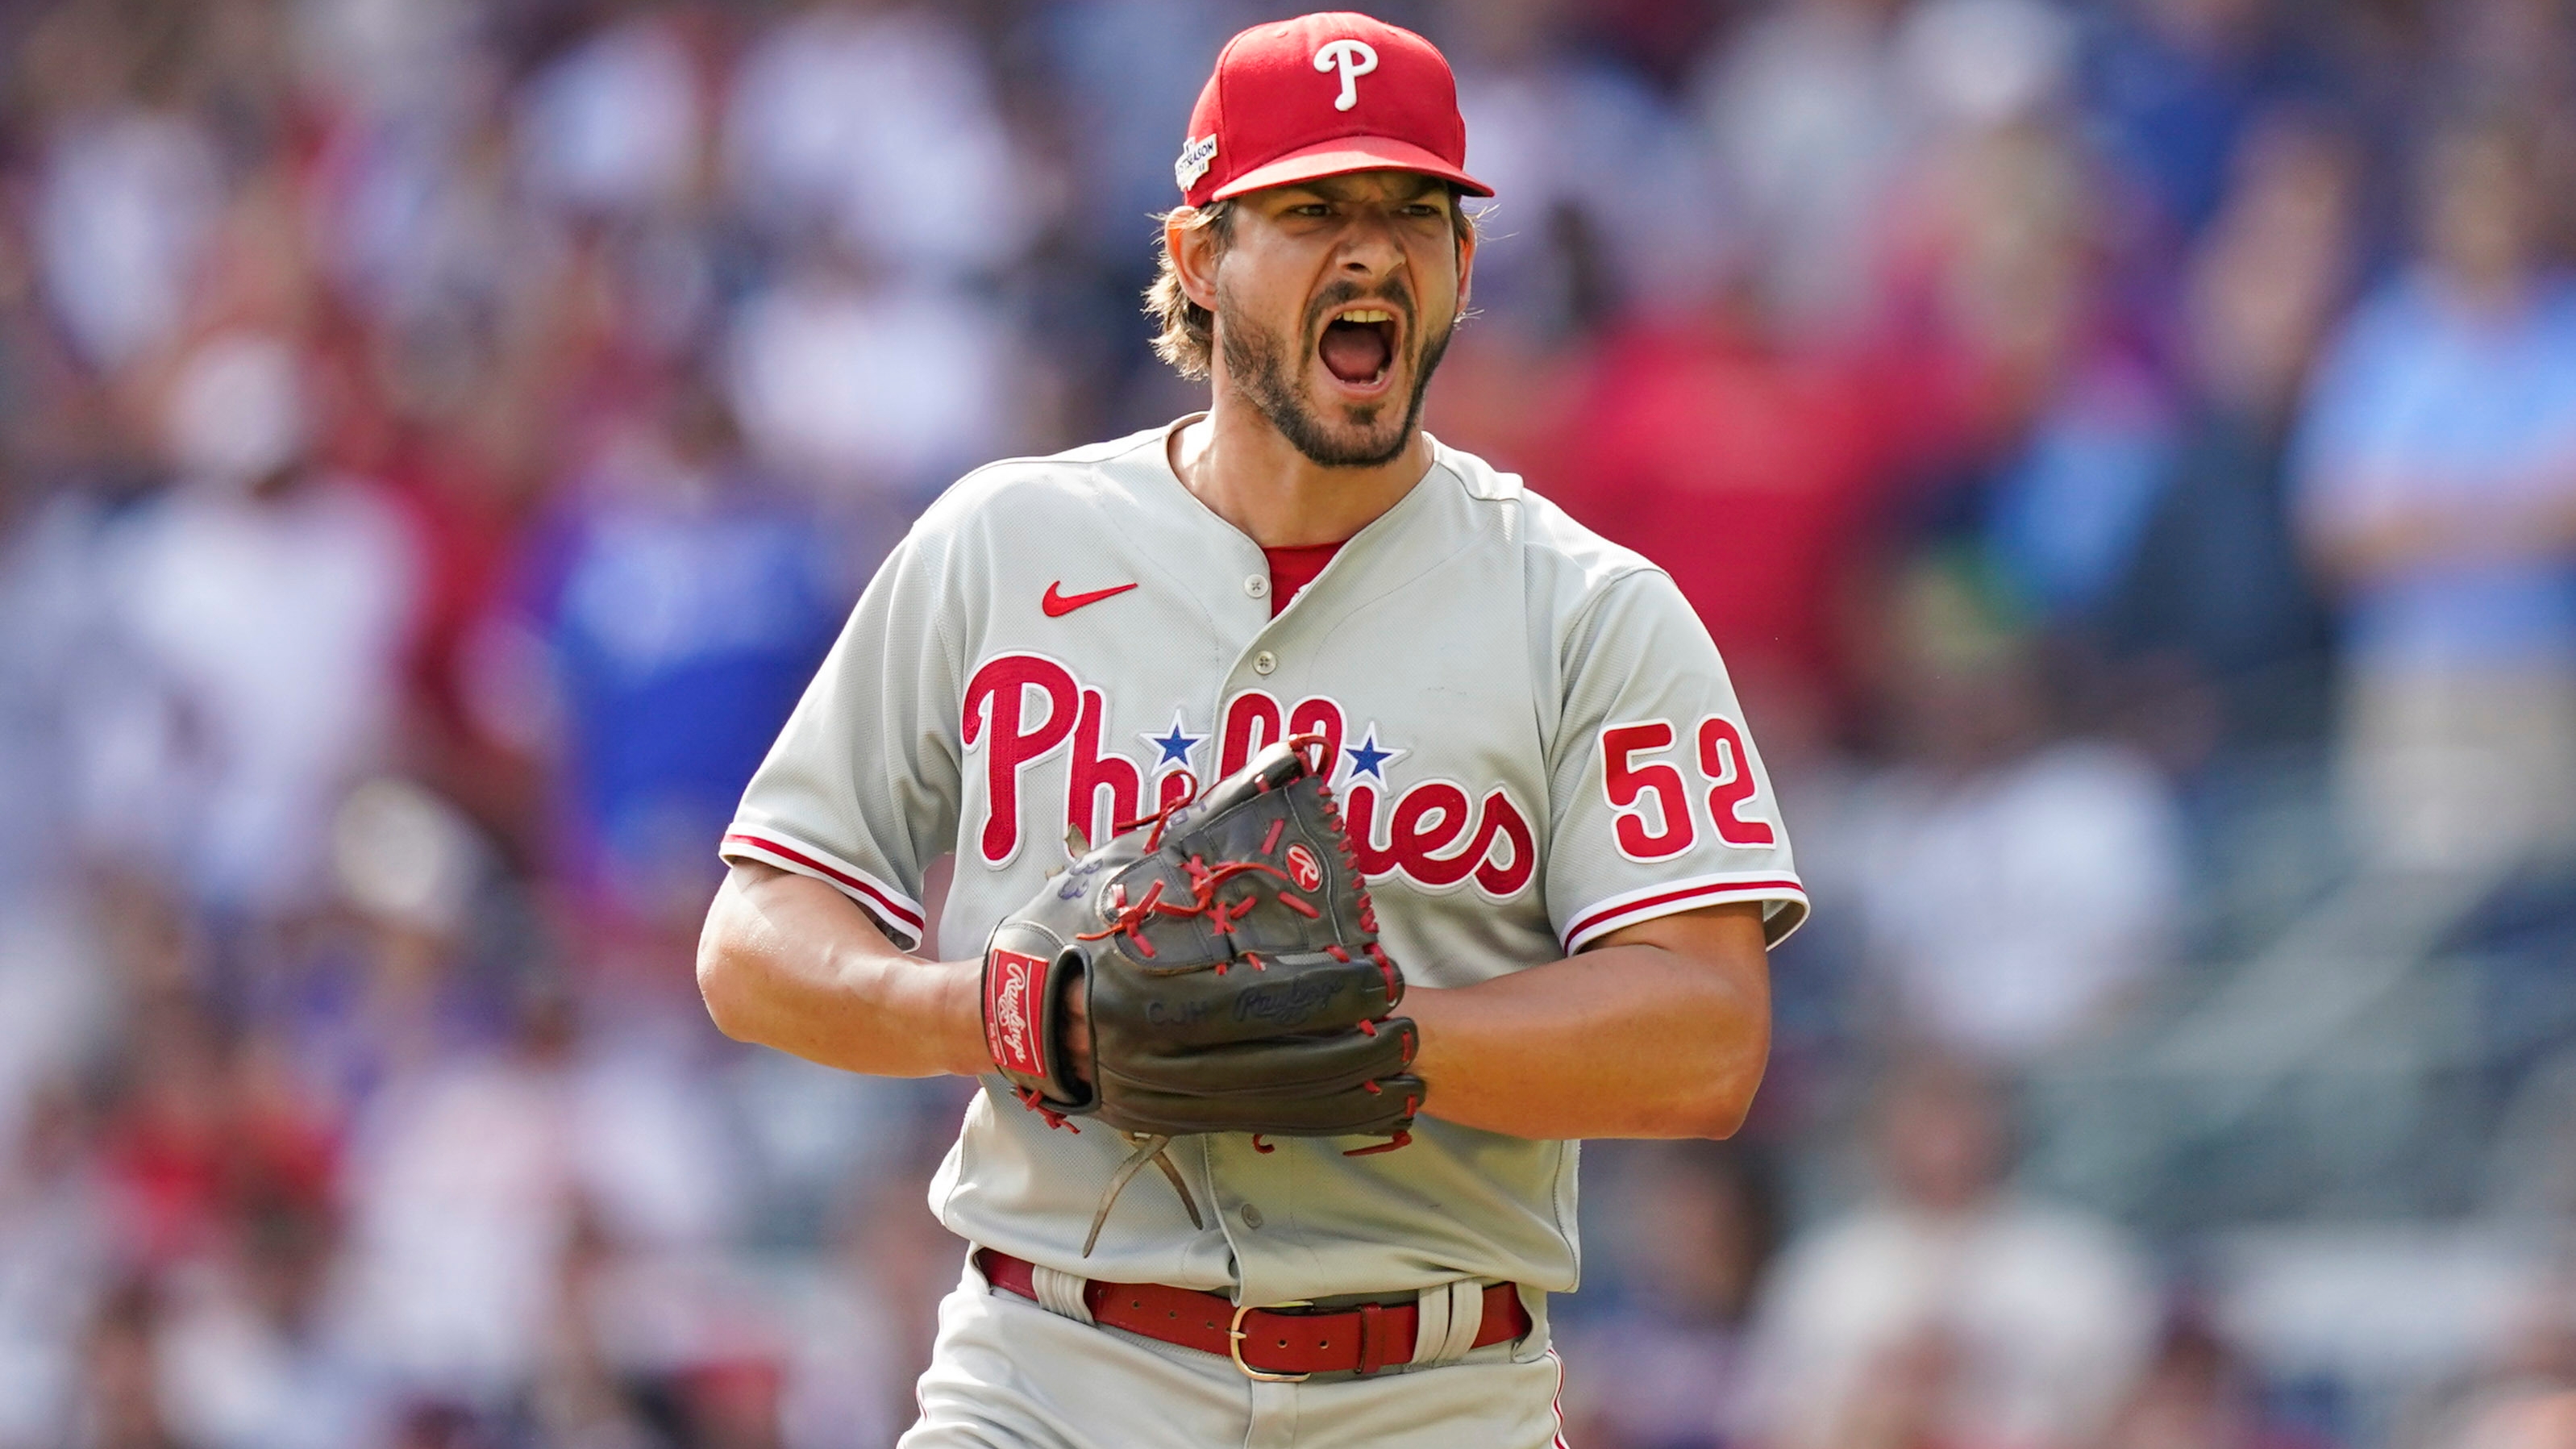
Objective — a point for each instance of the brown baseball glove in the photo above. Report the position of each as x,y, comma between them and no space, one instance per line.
1226,955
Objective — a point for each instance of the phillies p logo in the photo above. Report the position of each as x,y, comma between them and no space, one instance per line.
1355,58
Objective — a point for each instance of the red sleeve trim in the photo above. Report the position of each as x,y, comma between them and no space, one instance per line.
895,910
1645,905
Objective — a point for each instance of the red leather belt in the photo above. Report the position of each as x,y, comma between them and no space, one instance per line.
1266,1343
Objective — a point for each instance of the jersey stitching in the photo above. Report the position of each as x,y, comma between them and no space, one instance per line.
1071,458
1565,675
1582,616
951,732
1105,451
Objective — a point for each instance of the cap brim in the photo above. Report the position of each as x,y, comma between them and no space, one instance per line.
1343,155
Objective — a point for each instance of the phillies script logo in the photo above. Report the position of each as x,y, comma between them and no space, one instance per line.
1022,710
1012,990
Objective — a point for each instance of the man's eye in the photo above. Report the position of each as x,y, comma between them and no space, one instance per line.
1311,208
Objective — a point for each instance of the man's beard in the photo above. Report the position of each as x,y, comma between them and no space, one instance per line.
1257,363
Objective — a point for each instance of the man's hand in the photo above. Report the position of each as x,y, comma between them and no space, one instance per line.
1077,1037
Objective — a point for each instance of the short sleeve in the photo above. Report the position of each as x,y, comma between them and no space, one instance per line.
1660,803
861,788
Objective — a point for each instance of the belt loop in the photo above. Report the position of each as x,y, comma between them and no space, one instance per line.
1060,1293
1372,1338
1466,1316
1430,1323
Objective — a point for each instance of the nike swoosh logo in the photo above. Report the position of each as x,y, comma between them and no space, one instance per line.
1058,604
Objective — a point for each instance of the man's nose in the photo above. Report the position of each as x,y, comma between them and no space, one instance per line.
1368,244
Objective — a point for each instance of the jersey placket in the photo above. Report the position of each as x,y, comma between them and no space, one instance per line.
1255,1183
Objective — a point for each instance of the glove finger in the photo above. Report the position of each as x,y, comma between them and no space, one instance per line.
1273,833
1280,1066
1348,1113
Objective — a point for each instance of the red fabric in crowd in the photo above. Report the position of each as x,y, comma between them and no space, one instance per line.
1754,478
1292,569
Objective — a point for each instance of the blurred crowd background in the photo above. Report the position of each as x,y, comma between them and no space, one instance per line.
2126,450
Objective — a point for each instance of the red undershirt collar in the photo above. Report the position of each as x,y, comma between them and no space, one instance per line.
1292,569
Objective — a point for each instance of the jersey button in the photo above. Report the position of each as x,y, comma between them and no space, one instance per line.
1251,1216
1256,585
1264,662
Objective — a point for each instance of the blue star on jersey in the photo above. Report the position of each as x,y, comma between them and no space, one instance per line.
1370,760
1176,746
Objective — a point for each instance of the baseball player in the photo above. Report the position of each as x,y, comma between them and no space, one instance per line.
1547,841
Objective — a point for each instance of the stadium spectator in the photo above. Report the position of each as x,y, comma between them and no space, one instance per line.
2214,589
119,1403
270,600
2016,887
58,1249
1608,198
246,1360
862,1333
2525,1417
877,127
1953,1311
613,126
1664,1369
1814,125
2436,493
682,601
864,385
126,202
2199,1393
1756,476
2174,86
332,331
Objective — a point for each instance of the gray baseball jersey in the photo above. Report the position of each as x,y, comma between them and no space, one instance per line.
1536,744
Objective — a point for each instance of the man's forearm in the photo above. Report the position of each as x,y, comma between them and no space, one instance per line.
2398,541
789,962
1661,1032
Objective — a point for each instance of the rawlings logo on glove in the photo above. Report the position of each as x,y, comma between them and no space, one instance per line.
1012,985
1227,959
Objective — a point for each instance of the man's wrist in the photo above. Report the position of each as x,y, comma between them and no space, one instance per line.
961,1018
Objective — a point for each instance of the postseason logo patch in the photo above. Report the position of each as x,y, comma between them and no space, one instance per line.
1013,992
1194,160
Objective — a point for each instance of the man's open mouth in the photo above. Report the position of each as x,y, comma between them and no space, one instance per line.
1359,346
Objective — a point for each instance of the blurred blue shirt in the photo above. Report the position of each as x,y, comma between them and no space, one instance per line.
682,636
2423,406
2069,514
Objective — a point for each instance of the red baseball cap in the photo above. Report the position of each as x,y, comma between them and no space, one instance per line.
1323,95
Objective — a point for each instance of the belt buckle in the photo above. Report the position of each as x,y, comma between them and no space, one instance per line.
1234,1337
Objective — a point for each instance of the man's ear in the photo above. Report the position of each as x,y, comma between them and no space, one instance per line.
1194,253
